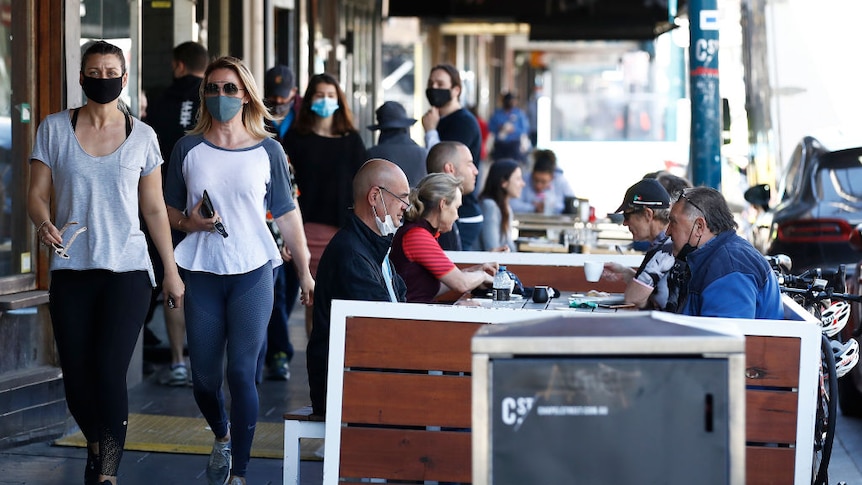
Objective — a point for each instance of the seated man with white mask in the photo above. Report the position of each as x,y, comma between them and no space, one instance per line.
355,265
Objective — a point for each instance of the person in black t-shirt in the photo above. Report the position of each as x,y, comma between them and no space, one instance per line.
448,120
171,115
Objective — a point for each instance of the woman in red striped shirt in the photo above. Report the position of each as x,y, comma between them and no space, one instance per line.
416,254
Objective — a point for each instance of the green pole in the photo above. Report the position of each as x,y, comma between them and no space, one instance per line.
705,147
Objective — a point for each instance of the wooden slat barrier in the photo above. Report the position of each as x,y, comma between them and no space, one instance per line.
406,402
403,381
771,414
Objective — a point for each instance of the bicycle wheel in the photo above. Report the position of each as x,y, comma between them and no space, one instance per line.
824,424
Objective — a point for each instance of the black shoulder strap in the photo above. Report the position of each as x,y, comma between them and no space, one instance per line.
128,121
75,118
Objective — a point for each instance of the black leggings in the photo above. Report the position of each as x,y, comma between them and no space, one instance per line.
97,316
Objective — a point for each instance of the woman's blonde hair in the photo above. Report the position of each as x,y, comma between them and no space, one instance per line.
253,112
433,188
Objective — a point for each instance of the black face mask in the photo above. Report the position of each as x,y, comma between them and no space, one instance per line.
687,248
102,91
685,251
438,97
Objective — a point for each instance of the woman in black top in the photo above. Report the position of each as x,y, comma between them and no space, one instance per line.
326,152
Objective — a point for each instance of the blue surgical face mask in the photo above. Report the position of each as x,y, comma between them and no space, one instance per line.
223,108
325,107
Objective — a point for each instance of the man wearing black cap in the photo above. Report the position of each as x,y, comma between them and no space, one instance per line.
395,144
646,211
280,97
279,91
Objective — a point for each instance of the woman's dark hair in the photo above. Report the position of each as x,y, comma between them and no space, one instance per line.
500,172
100,47
342,119
545,161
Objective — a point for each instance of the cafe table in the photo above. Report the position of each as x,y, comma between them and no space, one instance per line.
566,302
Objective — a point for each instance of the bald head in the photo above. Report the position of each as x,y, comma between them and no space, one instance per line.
454,158
373,173
379,188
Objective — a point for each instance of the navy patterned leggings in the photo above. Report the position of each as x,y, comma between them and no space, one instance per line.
228,314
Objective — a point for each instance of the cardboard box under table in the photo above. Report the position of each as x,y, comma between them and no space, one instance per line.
608,399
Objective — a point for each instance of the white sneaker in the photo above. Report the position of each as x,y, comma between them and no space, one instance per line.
179,376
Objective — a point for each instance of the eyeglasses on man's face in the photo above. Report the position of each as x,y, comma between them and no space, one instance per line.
229,89
407,204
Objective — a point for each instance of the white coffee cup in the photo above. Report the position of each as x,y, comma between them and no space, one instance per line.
593,270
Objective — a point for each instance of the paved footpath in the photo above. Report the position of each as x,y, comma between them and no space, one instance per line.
846,464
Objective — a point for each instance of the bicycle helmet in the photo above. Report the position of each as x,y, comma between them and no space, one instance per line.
834,318
846,355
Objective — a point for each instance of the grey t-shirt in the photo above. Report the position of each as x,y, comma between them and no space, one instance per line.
99,193
491,236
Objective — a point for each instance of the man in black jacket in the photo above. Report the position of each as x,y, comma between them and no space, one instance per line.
175,112
355,265
171,115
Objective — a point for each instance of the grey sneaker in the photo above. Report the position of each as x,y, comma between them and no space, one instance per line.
218,466
237,481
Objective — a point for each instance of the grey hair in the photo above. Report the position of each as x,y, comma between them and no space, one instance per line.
428,193
709,203
661,215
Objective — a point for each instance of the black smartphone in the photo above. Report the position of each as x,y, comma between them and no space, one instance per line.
207,210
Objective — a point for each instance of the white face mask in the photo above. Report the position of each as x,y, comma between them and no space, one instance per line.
387,227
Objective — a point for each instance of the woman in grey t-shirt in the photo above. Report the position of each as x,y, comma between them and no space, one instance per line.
103,168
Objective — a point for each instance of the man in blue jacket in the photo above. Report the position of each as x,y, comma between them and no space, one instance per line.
728,277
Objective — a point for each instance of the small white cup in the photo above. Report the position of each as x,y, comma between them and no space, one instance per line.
593,270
